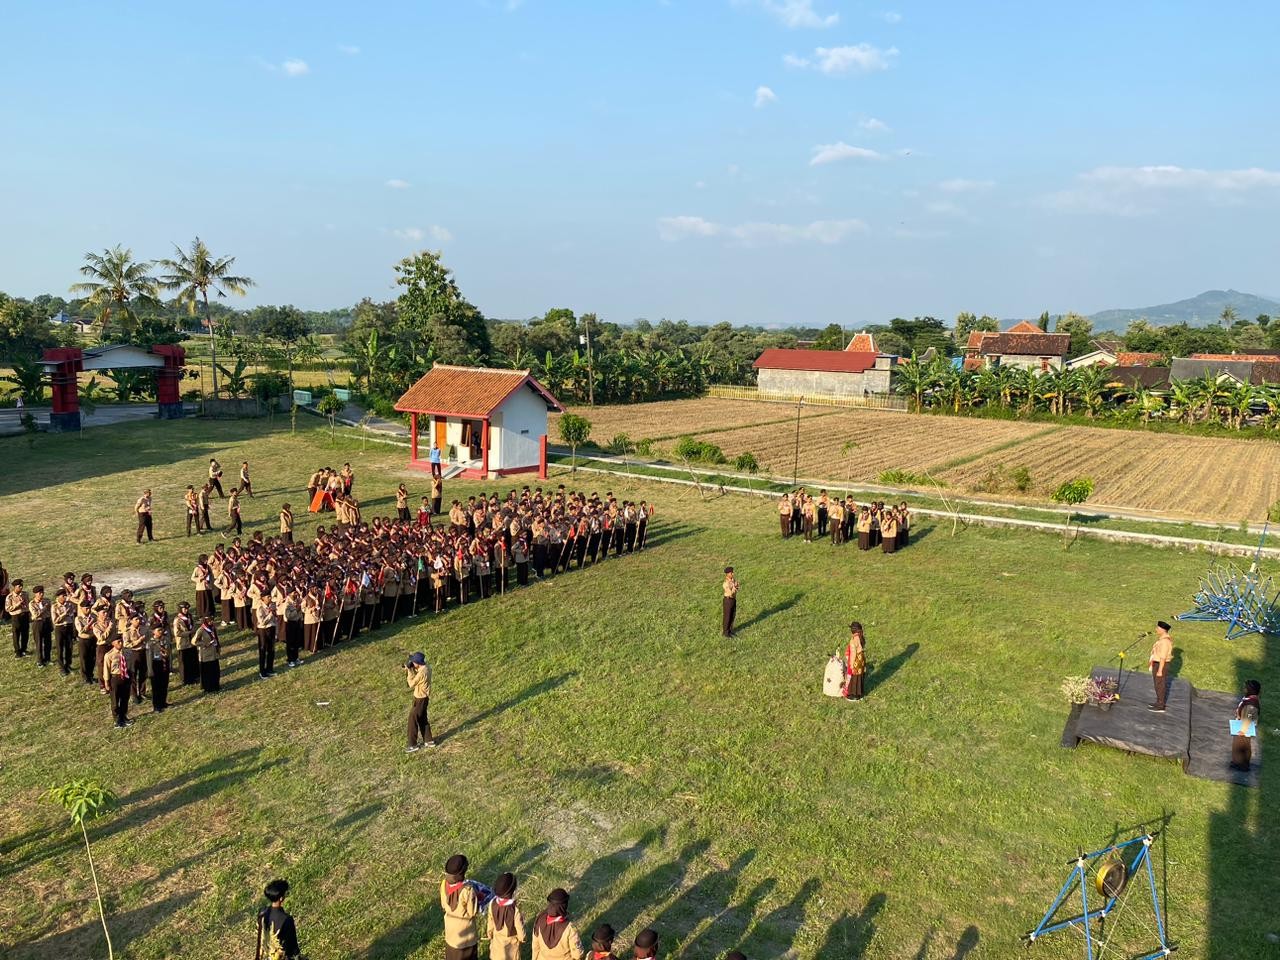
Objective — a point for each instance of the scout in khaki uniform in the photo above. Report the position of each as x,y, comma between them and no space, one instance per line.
855,660
1161,654
63,614
836,516
143,509
418,676
286,523
460,906
104,635
889,532
15,604
83,626
209,649
41,626
730,605
158,652
184,628
506,922
554,935
116,669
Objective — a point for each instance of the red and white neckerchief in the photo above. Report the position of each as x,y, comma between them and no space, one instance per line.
504,901
452,888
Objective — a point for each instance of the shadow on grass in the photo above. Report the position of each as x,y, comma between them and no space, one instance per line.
86,939
651,886
727,927
712,892
190,787
884,672
670,533
850,936
779,607
773,933
528,693
605,869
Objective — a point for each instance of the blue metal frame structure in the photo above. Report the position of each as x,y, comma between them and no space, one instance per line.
1091,916
1243,600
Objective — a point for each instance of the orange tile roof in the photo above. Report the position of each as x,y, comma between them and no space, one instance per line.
976,337
1138,359
468,391
1247,357
862,343
1024,326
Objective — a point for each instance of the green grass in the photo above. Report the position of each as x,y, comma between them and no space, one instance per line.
598,733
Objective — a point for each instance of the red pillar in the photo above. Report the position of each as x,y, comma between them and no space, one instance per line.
542,457
484,449
413,438
168,396
65,384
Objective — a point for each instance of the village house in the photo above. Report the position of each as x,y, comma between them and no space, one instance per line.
1256,367
859,370
487,423
1023,345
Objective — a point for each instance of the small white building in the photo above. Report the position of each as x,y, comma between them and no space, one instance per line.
489,422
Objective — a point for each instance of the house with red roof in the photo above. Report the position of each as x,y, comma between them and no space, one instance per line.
1023,345
487,422
859,370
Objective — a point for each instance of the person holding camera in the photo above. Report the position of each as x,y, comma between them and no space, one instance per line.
418,675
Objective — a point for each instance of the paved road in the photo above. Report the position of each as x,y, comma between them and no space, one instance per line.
103,415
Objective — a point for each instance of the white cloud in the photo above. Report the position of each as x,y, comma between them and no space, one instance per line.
439,234
1134,191
799,14
961,185
946,207
755,233
874,125
295,68
700,184
397,184
349,49
412,234
791,60
891,16
764,97
858,58
835,152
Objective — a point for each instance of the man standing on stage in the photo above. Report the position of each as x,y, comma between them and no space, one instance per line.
730,602
1161,654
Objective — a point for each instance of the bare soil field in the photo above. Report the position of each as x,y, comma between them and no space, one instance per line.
1203,478
673,418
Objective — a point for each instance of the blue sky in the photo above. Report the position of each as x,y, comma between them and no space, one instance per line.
756,161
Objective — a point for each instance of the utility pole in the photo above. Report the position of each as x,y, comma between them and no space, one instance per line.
591,375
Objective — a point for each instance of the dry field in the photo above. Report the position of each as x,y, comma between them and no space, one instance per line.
1204,478
672,418
1201,477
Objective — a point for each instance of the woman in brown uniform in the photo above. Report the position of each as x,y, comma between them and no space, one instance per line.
864,528
784,515
904,525
554,935
889,531
855,661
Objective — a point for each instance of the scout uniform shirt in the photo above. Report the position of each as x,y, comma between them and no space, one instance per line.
555,939
420,682
16,603
143,505
1162,653
115,665
506,929
458,901
286,521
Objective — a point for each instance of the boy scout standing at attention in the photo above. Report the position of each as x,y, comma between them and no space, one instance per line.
730,606
458,901
41,626
115,668
233,514
1161,654
15,604
286,523
143,509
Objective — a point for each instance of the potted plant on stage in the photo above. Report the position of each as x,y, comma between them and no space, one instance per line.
1102,692
1076,690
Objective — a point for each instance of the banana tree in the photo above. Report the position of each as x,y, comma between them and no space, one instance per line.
27,379
914,379
1091,385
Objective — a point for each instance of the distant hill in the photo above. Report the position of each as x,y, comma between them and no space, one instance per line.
1200,311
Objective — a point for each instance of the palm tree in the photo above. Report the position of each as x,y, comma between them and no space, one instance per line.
1183,397
914,379
1240,401
193,274
115,282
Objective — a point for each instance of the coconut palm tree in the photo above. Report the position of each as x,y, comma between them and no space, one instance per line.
193,273
116,282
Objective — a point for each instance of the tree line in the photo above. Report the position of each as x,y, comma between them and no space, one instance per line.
1093,392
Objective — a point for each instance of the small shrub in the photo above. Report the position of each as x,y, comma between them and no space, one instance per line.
689,448
1273,512
991,482
621,445
644,447
898,477
747,462
1021,478
1074,492
1075,689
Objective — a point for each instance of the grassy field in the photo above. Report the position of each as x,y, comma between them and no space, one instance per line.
598,733
1199,478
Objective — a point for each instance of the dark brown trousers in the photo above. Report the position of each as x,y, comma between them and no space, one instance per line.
730,611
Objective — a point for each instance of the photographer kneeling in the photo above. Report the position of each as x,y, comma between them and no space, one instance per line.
418,675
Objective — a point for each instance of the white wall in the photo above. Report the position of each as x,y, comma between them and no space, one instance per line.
515,429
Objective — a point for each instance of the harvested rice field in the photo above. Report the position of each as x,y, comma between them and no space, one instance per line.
1202,478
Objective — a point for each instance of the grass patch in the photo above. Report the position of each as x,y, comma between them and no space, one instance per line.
598,734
